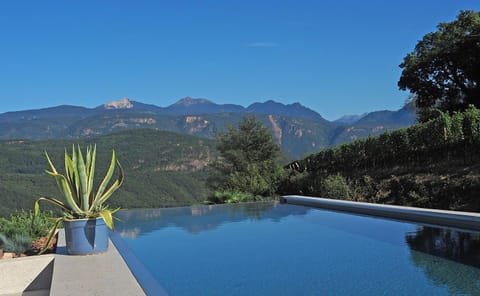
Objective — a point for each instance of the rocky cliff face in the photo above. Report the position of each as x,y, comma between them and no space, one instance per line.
123,103
277,131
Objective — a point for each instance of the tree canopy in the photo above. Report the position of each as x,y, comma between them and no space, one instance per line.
249,160
443,71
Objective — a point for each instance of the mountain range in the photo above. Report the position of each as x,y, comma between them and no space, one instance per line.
297,129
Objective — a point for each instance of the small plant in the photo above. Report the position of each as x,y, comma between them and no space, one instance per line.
76,186
21,223
19,243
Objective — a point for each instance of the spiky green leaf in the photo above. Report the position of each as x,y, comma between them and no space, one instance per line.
53,230
82,172
91,173
36,207
106,214
51,163
67,192
121,176
77,177
106,179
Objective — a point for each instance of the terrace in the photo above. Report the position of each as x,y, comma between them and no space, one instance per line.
119,272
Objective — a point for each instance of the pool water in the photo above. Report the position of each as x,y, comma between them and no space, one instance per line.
280,249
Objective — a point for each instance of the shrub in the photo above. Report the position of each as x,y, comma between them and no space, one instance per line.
20,223
336,187
18,243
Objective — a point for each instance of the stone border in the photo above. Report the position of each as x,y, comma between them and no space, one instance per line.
464,220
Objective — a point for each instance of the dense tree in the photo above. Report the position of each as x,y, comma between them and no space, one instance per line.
443,71
248,162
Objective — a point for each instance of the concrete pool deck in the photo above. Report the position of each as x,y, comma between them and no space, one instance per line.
464,220
60,274
26,276
101,274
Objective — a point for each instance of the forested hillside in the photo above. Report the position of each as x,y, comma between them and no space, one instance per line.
162,168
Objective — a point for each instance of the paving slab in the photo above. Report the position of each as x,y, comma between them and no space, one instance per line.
99,274
26,276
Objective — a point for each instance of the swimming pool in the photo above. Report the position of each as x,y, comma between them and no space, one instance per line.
282,249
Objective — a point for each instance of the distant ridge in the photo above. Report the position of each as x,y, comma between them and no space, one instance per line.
187,101
50,112
192,106
350,119
291,110
298,130
184,106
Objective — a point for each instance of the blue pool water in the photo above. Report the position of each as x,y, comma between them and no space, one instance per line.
280,249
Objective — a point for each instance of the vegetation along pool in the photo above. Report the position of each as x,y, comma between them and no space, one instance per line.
281,249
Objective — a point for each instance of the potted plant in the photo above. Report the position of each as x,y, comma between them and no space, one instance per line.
86,218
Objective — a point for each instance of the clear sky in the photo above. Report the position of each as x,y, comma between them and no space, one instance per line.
335,56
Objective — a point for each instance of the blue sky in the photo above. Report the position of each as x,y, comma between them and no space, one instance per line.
336,57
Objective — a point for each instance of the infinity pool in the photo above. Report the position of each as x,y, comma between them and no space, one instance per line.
281,249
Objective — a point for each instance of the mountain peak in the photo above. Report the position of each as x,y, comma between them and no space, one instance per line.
291,110
187,101
123,103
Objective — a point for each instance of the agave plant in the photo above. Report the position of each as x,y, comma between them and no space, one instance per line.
77,188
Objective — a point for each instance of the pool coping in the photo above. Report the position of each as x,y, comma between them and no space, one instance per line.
458,219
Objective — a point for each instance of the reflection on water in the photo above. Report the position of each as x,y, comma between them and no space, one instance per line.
408,259
429,246
196,219
463,247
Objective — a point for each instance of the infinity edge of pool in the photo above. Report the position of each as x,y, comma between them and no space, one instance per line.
468,222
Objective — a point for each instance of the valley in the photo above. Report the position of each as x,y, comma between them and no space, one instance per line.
162,168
